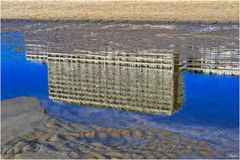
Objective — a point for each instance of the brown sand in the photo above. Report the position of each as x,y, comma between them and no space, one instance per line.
151,11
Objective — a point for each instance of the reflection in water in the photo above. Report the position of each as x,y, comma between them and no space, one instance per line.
141,84
222,61
213,117
13,44
215,60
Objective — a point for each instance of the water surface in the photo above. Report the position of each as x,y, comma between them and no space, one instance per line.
209,107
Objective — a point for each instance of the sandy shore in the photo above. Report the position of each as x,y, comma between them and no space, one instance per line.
28,132
134,11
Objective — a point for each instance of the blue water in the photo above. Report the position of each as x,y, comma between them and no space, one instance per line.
211,102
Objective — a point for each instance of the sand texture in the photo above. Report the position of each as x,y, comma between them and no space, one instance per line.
21,117
133,11
27,132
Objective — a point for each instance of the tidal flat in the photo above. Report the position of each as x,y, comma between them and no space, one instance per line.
119,90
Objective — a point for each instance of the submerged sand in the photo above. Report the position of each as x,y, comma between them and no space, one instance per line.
114,10
28,132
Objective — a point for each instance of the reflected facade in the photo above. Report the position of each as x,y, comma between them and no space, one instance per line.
140,82
147,84
219,60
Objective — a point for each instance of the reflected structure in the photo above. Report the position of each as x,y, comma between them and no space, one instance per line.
148,84
218,60
36,52
214,60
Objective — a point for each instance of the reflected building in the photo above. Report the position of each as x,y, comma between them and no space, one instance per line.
215,60
141,82
36,52
219,60
146,82
149,84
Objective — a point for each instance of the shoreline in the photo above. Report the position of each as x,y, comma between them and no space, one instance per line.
120,22
35,134
123,11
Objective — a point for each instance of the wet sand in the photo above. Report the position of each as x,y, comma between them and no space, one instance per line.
125,37
222,11
41,136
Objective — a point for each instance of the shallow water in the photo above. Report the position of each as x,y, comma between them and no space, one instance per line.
209,107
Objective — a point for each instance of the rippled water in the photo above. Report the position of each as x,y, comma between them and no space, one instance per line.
200,106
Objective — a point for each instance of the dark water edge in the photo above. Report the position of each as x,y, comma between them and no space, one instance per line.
116,21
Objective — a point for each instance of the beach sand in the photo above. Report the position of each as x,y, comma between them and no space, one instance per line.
28,132
221,11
